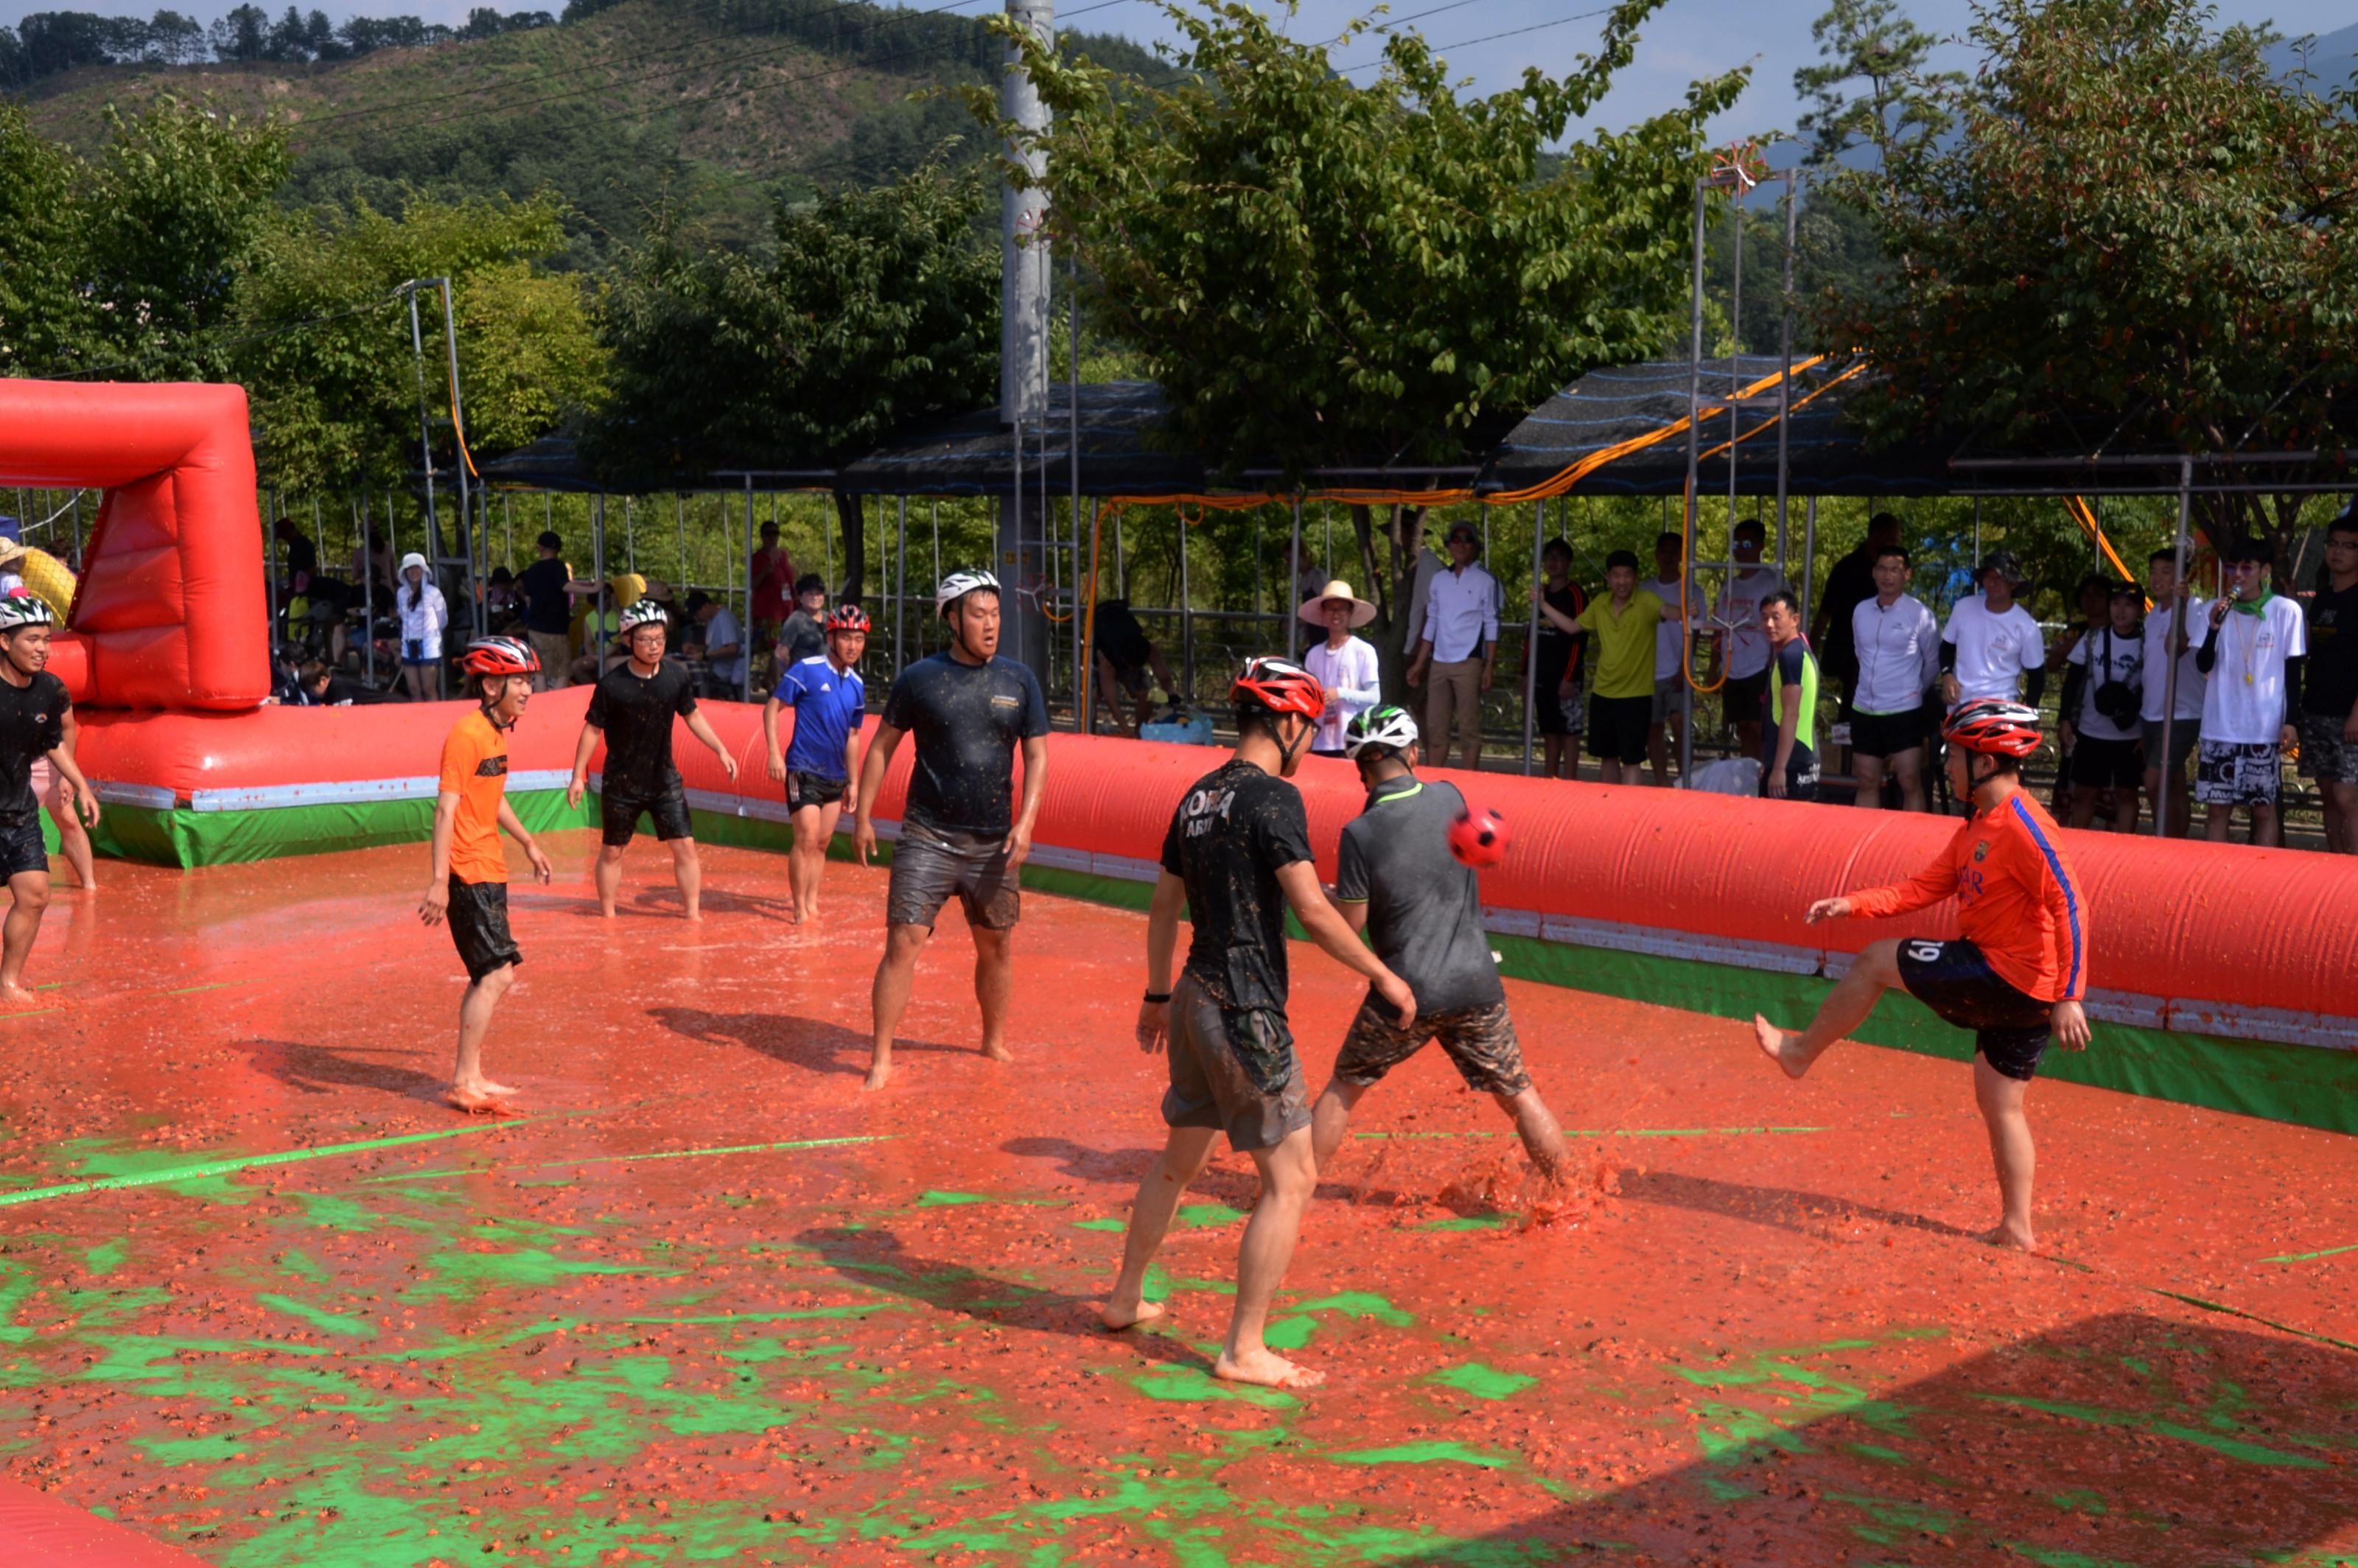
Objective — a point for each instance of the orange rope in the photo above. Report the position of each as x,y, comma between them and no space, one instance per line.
2085,515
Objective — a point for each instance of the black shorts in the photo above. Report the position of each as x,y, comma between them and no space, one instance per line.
479,927
814,790
1618,727
21,848
1740,697
929,866
1886,734
620,813
2107,764
1954,980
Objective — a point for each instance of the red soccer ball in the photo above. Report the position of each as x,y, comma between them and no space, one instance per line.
1479,836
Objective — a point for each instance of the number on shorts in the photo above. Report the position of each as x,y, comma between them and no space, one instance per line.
1924,952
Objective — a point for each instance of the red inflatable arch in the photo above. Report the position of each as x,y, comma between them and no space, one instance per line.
171,610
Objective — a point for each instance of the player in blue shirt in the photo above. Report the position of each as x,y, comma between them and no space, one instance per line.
829,702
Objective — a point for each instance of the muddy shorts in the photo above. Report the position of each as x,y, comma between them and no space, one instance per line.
814,790
928,866
1479,1040
1953,979
619,812
21,848
1232,1070
479,927
2227,773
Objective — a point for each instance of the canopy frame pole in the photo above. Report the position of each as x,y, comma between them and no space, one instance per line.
900,593
1532,634
745,626
1293,620
1694,459
593,642
1785,349
2169,790
1187,612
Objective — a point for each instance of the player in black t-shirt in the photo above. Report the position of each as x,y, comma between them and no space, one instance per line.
1237,855
969,710
33,703
632,707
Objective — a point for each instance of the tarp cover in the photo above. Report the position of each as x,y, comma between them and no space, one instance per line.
974,454
1827,455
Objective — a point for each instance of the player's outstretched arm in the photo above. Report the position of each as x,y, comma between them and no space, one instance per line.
579,783
777,759
437,901
1340,942
872,785
514,827
1035,783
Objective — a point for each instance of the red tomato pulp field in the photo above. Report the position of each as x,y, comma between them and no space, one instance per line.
262,1298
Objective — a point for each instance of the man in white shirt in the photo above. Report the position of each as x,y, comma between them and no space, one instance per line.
1737,637
2168,625
1668,725
1896,644
1459,647
1420,584
2103,730
2251,650
1991,646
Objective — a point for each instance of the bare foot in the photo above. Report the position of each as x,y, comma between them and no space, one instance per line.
696,915
1120,1313
1779,1046
1266,1368
997,1052
880,1072
16,996
606,911
475,1102
2021,1240
498,1091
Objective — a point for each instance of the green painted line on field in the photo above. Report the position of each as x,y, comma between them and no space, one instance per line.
631,1159
2309,1257
243,1162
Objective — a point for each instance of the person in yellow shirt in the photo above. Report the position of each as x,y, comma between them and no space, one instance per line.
1621,695
469,882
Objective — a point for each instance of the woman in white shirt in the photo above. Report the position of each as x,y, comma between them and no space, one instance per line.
1344,665
423,617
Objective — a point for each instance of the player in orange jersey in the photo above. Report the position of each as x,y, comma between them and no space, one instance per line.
2017,974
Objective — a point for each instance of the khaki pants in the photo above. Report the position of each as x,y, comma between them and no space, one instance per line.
556,651
1451,689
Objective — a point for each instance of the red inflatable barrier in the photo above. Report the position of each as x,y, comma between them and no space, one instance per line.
38,1530
171,610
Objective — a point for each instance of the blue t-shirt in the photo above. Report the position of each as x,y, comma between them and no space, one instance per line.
829,706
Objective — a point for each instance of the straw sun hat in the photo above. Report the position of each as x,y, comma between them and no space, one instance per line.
1314,611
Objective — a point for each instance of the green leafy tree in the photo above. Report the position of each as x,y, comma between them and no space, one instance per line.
1325,274
171,212
878,307
42,314
2138,240
329,360
1871,87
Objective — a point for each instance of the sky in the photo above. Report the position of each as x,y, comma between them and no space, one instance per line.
1686,40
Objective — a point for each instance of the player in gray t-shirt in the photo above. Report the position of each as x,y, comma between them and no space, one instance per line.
1423,911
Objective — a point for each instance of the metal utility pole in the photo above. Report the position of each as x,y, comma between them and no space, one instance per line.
1023,281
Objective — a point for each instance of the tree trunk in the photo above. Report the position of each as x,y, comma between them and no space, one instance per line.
854,527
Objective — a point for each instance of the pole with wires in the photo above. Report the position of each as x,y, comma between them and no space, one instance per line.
459,440
1532,634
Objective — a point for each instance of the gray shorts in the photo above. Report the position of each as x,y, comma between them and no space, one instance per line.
2184,733
929,865
1232,1070
2324,754
1666,696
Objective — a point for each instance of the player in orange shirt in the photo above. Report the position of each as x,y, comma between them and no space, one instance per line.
469,887
2014,977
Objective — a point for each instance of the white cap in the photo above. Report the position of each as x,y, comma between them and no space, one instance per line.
413,560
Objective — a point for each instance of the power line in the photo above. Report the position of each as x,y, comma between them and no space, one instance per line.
1488,37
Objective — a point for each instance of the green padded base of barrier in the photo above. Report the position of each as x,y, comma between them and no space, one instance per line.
2308,1085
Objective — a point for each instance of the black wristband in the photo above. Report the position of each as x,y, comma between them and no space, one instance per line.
1156,998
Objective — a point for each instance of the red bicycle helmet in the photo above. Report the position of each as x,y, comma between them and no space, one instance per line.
1995,725
501,656
1280,687
848,618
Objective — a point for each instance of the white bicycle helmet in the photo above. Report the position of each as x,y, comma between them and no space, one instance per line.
1388,724
645,612
958,585
22,609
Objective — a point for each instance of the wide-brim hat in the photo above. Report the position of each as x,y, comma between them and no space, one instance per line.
1314,611
414,559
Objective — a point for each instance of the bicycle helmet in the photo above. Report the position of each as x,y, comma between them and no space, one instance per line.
958,585
1993,725
1387,725
848,618
1280,685
645,612
501,656
19,609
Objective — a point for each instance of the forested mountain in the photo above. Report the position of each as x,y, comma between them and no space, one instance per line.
707,109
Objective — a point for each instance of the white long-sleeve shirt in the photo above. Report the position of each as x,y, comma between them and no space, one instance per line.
1461,613
1350,672
1898,653
423,624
